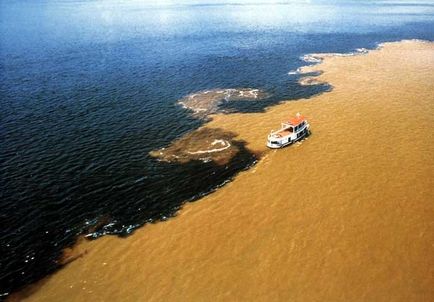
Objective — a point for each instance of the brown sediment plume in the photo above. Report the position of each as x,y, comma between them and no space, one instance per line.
205,144
204,103
345,216
308,81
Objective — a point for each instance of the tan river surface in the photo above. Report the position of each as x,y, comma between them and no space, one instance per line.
347,215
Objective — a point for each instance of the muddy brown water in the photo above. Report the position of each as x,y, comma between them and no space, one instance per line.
347,215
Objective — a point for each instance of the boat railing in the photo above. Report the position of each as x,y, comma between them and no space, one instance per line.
274,132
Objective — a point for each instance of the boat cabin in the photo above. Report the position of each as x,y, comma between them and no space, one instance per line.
290,131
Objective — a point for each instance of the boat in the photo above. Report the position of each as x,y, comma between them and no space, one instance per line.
290,131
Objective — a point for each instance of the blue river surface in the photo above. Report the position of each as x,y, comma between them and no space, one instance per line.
89,88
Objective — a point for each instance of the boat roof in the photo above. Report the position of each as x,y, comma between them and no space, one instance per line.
294,121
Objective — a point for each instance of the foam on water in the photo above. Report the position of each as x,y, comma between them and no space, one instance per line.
316,58
223,142
220,147
204,103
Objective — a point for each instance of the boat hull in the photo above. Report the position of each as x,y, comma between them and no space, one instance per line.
273,143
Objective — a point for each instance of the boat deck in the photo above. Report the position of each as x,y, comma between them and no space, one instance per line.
283,133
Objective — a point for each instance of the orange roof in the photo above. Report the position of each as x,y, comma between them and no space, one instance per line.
296,120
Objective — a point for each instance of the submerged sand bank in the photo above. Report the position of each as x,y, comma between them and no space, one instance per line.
345,216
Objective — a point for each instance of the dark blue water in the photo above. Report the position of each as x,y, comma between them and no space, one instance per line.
88,88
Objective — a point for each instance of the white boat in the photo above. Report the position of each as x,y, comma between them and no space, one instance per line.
291,131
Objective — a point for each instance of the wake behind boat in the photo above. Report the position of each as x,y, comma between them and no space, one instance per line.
290,131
